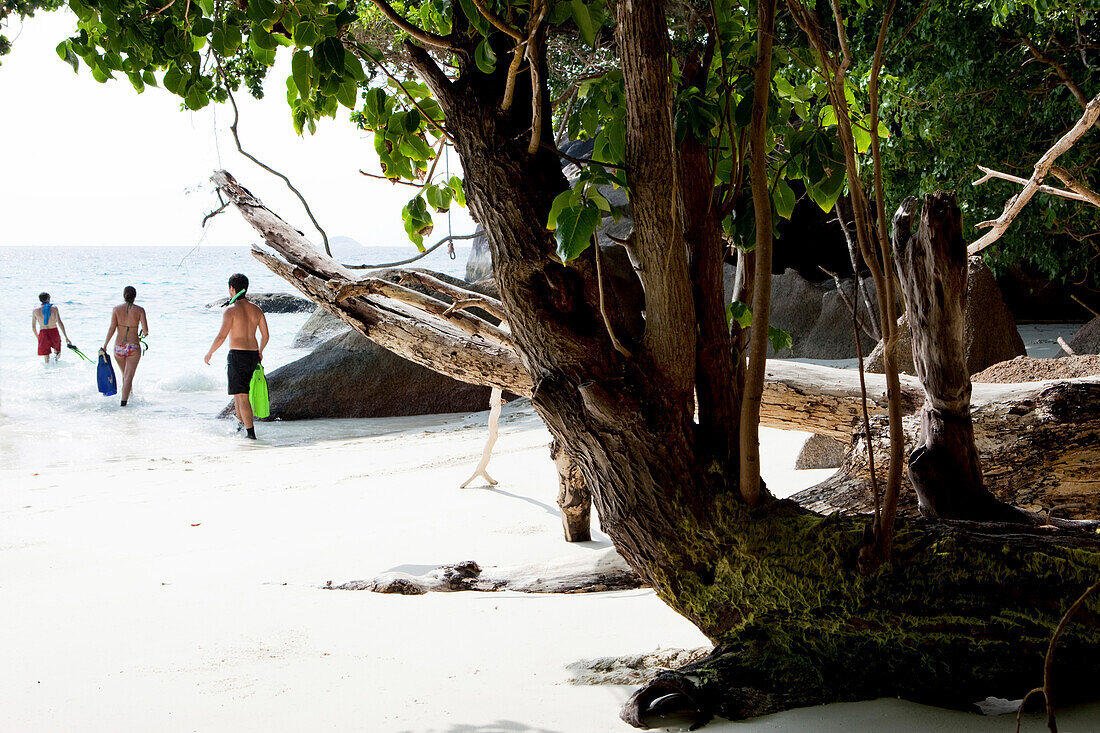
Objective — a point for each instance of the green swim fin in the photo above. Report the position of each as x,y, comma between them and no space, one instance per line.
257,394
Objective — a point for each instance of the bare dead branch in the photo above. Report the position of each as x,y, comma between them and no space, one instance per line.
853,308
158,12
490,305
395,181
990,174
1017,203
1085,306
1047,689
1076,186
466,322
414,258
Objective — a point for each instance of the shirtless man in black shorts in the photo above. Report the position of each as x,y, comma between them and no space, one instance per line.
241,321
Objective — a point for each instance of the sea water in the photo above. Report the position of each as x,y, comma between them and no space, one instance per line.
52,415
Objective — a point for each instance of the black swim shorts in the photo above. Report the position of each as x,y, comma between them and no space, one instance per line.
240,366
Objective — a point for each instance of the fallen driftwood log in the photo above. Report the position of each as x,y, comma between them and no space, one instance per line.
599,572
1039,444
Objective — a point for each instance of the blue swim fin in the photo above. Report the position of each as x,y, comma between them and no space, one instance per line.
105,375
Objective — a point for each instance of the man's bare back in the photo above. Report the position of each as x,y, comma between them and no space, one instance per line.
245,319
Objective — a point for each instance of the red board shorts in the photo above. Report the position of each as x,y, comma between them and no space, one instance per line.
48,338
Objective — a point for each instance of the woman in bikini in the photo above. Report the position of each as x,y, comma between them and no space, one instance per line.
128,321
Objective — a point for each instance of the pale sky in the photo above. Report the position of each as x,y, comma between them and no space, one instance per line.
97,164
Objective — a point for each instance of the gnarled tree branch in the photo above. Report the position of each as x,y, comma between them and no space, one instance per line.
1016,204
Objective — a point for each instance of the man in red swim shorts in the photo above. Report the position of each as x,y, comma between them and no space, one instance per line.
45,321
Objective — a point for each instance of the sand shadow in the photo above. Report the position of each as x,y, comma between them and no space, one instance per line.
500,726
553,510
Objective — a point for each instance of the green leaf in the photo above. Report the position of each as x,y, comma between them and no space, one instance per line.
740,313
861,137
348,94
173,81
597,198
742,115
329,56
65,51
780,339
414,147
99,74
484,57
196,98
583,19
418,222
261,38
306,34
477,20
265,56
202,27
439,198
826,192
455,184
575,227
353,68
784,199
561,201
258,10
301,65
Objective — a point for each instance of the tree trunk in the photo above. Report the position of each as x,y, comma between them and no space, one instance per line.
574,498
931,264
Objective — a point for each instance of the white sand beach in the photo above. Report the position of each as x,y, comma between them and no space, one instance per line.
188,594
